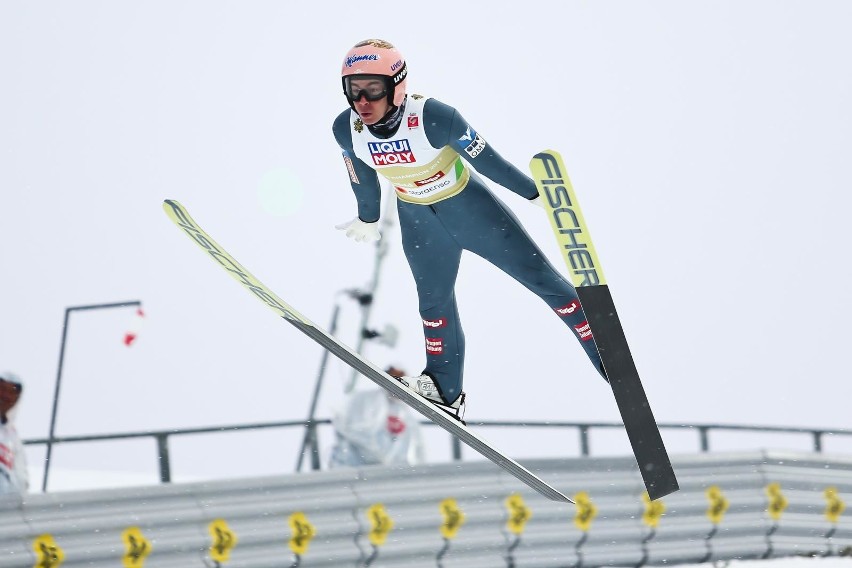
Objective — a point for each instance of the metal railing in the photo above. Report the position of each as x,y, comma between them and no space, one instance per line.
744,506
817,434
162,437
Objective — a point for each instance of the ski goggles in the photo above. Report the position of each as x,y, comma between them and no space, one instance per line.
373,87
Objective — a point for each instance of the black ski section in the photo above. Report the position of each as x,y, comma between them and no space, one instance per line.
648,447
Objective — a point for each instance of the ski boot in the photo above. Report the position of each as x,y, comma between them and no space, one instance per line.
426,387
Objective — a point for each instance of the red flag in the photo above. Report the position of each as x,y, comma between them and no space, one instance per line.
135,326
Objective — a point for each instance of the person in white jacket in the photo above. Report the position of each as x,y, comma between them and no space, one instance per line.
13,463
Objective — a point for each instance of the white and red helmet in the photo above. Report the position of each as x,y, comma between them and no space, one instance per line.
375,58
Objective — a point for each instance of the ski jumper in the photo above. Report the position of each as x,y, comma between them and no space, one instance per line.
445,208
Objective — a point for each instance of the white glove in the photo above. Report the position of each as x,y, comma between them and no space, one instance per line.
538,201
361,231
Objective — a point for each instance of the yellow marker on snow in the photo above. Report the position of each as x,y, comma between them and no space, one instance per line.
453,518
653,511
224,540
718,504
136,547
381,523
48,553
586,511
301,533
834,506
519,513
777,501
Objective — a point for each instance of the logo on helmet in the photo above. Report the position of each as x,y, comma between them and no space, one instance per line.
403,73
350,61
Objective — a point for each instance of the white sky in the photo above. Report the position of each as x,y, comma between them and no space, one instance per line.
709,144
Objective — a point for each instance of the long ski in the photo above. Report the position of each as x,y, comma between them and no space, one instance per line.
178,214
579,253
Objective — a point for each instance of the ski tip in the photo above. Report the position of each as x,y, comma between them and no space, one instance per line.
553,494
563,498
174,209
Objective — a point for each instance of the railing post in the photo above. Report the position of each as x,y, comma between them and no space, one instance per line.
818,441
163,455
584,440
52,435
704,433
306,439
457,456
314,443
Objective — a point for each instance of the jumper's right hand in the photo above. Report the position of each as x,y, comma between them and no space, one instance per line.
360,231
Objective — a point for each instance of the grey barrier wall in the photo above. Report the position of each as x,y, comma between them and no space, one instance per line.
460,514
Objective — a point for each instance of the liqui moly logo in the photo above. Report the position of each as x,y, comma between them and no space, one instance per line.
391,153
568,309
434,345
584,331
440,322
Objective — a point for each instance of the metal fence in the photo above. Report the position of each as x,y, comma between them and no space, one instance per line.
457,514
583,430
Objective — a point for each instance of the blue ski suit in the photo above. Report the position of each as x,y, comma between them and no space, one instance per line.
445,208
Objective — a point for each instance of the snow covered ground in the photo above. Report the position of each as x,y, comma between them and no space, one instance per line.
834,562
77,479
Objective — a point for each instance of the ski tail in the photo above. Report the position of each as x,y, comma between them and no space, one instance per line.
581,258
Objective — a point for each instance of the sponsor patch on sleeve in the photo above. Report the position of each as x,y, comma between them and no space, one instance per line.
351,168
471,142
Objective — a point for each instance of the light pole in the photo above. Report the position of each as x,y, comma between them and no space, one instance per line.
365,298
50,438
387,336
